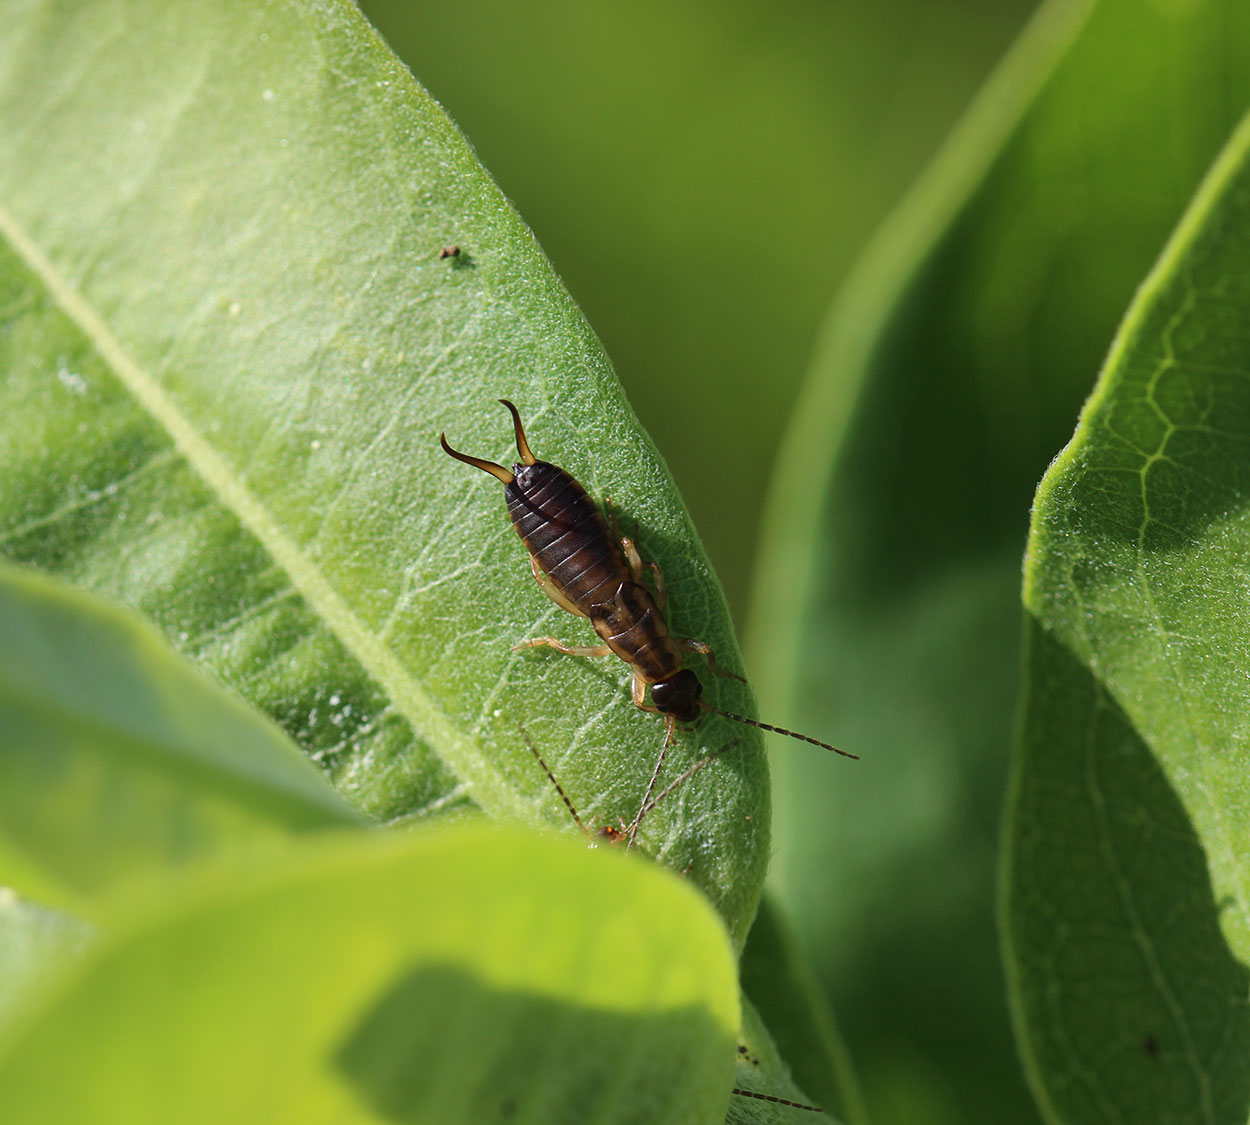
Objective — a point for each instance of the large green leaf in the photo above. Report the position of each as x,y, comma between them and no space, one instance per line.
1127,884
230,345
951,369
389,995
115,757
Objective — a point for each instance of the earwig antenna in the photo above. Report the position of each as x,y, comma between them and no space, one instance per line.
615,834
647,806
776,1101
552,778
478,463
522,446
776,730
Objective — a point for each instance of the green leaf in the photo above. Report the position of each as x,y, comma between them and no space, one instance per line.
1127,886
21,872
231,344
36,944
887,613
464,975
788,996
759,1070
116,757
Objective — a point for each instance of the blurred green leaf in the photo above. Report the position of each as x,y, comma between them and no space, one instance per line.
36,944
230,345
1127,888
887,616
20,872
389,995
115,757
785,991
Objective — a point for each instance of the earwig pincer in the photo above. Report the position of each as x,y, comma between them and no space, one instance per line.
591,571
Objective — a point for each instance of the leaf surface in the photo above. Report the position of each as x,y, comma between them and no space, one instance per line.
231,345
115,757
613,1000
1127,883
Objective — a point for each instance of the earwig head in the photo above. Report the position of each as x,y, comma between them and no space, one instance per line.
678,696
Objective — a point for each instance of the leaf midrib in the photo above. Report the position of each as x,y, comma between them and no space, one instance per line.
463,755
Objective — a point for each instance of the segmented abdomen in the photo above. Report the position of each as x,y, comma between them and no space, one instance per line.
566,534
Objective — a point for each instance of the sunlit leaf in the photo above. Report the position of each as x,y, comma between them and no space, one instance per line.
389,995
115,757
1128,888
230,344
36,945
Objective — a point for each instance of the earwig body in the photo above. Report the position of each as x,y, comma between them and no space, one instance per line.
588,570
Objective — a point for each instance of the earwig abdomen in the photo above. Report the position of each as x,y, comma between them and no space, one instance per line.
564,531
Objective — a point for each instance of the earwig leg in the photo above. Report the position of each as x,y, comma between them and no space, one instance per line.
638,692
632,557
704,649
630,547
638,689
553,591
661,590
627,545
560,646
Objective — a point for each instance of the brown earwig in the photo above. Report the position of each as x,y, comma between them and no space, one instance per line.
614,835
591,571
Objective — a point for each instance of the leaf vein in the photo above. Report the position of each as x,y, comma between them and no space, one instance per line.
461,753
